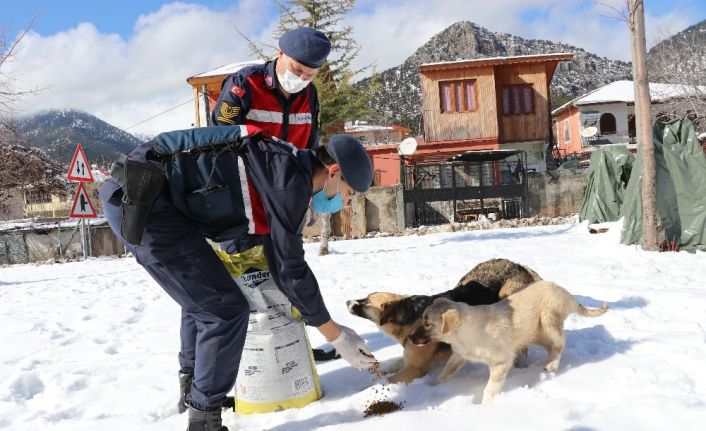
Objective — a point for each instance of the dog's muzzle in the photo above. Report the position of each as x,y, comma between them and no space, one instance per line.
419,337
354,306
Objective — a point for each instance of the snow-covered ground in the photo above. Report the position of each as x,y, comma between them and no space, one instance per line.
93,345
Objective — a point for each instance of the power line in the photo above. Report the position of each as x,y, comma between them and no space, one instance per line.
161,113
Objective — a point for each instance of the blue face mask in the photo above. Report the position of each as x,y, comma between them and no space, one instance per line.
321,204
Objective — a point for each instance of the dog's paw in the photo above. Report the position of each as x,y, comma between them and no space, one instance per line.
551,367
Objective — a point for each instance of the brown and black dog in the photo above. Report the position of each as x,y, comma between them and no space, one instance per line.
399,315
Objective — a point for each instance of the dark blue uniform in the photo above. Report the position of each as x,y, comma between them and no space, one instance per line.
203,197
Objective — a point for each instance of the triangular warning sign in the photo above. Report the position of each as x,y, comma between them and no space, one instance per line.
80,169
82,206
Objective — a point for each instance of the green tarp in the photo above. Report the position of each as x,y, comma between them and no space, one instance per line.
680,167
607,178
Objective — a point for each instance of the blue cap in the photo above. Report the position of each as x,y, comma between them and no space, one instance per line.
350,155
308,46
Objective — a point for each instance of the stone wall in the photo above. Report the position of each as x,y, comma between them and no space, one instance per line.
384,210
551,194
556,193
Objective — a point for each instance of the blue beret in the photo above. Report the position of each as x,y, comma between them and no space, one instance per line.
308,46
354,161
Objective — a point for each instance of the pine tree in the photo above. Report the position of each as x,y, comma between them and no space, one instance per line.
340,101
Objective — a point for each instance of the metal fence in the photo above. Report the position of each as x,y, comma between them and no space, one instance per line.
58,241
492,184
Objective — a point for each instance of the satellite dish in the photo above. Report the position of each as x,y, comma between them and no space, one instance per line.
589,132
407,146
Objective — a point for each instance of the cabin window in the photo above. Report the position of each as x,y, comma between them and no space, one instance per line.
567,132
608,124
458,96
518,99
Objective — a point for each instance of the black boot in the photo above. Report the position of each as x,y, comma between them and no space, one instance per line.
185,379
205,420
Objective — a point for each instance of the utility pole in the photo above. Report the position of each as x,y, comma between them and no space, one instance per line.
643,122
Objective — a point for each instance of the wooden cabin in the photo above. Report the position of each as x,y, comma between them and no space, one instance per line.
501,103
207,89
482,104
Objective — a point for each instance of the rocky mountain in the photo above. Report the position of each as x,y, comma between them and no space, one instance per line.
399,97
680,58
58,132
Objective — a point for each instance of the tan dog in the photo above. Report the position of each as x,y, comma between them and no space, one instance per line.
493,334
398,315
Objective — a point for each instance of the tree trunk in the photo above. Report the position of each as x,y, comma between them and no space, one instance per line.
325,234
643,123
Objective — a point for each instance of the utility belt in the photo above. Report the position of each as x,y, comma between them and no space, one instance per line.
141,181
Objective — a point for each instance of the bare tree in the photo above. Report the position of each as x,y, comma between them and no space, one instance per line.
643,117
680,60
8,91
22,168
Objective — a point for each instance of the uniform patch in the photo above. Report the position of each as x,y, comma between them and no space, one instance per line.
238,91
228,113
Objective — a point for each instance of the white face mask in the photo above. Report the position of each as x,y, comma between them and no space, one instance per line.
291,83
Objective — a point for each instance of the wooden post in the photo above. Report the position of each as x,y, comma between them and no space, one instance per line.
206,107
643,117
197,119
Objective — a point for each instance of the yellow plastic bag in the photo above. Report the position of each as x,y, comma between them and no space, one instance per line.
277,369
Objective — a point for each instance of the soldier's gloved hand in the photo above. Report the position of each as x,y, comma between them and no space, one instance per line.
352,348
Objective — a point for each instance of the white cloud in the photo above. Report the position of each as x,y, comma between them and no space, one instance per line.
127,81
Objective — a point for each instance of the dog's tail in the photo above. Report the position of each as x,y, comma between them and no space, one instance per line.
591,312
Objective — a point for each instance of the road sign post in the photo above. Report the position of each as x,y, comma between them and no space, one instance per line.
82,207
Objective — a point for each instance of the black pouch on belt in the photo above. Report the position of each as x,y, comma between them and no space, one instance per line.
142,182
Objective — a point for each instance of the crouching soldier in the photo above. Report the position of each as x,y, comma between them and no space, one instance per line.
170,194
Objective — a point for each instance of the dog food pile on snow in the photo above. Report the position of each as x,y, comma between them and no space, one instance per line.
382,406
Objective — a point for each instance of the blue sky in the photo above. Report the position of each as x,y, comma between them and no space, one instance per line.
119,16
128,60
109,16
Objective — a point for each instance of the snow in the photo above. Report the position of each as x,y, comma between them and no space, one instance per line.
227,69
501,59
624,92
93,345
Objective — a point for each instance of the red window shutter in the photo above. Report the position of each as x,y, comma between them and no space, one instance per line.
445,96
528,96
459,96
507,102
516,100
470,96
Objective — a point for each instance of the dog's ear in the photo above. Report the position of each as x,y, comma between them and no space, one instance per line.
405,311
388,313
450,320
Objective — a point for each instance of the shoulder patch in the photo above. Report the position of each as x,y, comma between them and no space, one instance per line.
227,113
237,91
